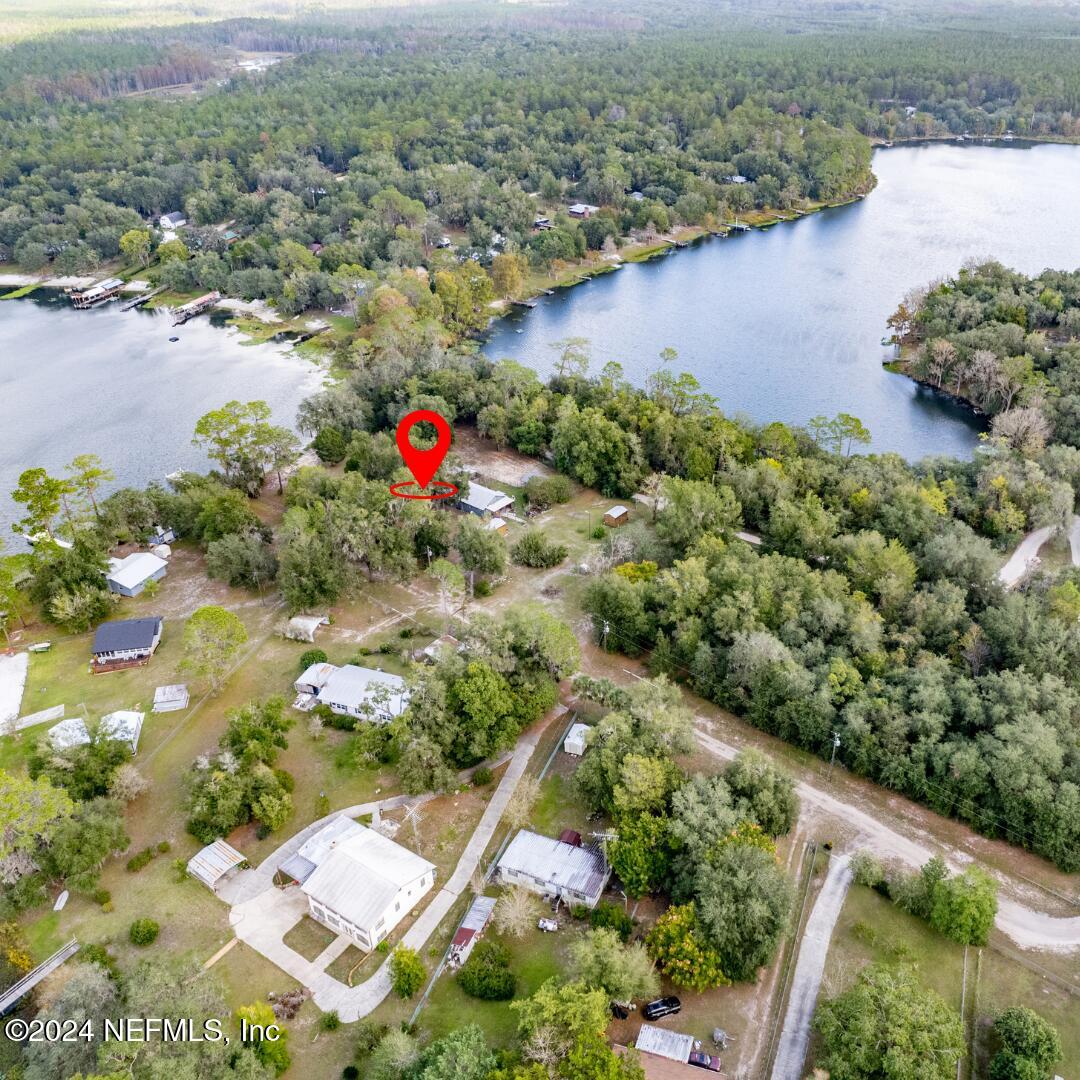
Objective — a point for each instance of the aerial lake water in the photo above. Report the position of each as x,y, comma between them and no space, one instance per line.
786,323
111,383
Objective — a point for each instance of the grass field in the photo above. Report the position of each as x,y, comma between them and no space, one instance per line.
871,929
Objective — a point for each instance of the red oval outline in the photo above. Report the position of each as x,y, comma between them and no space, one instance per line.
451,490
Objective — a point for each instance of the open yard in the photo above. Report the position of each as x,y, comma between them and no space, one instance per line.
871,929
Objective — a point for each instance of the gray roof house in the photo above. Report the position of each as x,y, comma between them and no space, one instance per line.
577,875
484,501
352,691
358,882
130,575
126,641
172,221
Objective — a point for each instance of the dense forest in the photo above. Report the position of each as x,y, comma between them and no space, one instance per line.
387,128
1006,342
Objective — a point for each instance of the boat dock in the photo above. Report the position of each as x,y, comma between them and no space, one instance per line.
99,293
195,307
737,226
141,299
10,997
523,303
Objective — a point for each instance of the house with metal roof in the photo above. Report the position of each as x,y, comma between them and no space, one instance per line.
171,698
576,875
130,575
471,930
617,515
358,882
175,220
378,696
484,501
577,739
125,642
582,210
124,726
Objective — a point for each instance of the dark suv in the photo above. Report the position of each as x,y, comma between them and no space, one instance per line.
661,1007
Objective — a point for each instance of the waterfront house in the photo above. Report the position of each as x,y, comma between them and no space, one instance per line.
130,575
352,691
126,642
552,868
358,882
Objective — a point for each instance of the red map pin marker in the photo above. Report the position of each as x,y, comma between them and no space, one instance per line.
423,464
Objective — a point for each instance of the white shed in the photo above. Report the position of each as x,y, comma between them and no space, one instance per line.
576,740
303,627
171,698
672,1045
214,862
124,726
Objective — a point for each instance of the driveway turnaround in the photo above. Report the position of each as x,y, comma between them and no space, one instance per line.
263,914
809,968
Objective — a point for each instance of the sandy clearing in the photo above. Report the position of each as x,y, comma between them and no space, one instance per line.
12,681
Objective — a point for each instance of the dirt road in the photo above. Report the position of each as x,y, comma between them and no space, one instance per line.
1027,928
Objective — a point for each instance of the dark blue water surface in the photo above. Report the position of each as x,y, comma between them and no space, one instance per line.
786,323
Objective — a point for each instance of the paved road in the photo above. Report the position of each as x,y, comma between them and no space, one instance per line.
1012,573
809,968
1026,927
263,914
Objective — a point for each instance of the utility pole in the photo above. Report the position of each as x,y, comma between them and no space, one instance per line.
603,640
835,745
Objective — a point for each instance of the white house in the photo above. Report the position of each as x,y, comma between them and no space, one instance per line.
484,501
124,726
130,575
582,210
170,222
352,691
577,875
576,740
358,882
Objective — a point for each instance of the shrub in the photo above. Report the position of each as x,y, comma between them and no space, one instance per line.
92,953
383,947
579,911
322,806
179,871
137,862
598,533
482,588
368,1035
482,777
107,906
486,974
536,550
330,1021
164,847
311,656
407,971
143,932
612,917
866,869
543,492
330,445
101,896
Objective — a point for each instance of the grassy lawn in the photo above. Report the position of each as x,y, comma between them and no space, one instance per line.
871,929
309,938
533,958
349,959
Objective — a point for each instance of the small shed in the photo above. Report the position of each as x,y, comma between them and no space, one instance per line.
303,627
444,646
214,863
130,575
171,698
471,930
667,1044
617,515
497,525
124,726
576,740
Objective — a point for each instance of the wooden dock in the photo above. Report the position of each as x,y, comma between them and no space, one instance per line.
9,998
141,299
523,303
195,307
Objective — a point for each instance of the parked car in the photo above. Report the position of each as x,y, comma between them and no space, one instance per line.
549,926
661,1007
704,1061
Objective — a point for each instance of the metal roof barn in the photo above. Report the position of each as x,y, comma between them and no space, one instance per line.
668,1044
214,861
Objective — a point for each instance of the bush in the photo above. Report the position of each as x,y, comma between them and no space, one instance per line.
866,870
107,906
542,492
598,533
407,971
535,550
482,777
611,916
579,911
330,1021
101,896
368,1035
383,947
164,847
330,445
486,974
482,588
137,862
92,953
143,932
311,656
